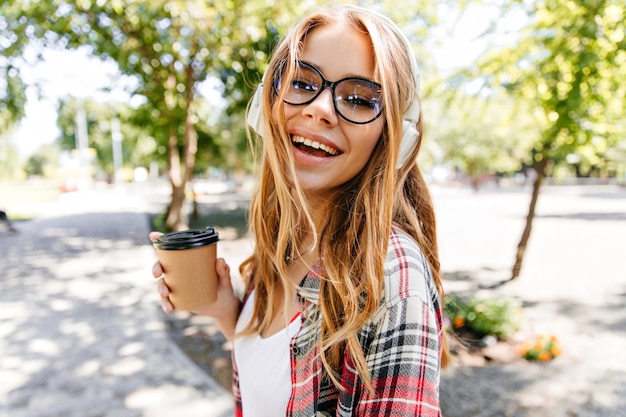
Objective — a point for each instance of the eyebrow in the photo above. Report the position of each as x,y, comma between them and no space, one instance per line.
349,75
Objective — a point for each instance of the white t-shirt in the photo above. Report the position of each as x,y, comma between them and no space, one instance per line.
264,367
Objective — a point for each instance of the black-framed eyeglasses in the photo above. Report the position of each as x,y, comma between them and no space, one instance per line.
357,100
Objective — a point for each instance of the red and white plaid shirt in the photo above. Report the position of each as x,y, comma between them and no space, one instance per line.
402,344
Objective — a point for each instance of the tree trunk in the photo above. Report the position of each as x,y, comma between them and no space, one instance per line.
521,247
175,219
179,179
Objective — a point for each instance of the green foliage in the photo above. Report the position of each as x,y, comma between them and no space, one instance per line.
138,147
12,88
479,135
43,162
12,96
553,91
499,317
169,48
35,165
571,63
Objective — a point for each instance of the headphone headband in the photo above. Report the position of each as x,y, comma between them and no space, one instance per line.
410,135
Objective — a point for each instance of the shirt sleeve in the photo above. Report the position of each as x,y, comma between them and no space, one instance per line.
403,351
404,363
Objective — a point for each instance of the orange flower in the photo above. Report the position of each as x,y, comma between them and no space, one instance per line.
544,356
555,351
458,322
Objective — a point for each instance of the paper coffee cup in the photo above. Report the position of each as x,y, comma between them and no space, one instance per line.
188,262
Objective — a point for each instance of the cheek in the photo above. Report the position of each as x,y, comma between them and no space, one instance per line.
371,135
287,111
275,111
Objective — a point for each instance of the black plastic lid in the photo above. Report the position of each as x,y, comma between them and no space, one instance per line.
187,239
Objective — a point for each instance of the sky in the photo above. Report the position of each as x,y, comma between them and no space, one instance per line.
75,73
62,73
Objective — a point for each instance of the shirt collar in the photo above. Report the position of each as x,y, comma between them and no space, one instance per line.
309,287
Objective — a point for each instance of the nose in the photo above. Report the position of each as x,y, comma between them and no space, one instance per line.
322,108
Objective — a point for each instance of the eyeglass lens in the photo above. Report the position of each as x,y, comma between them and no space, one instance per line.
357,100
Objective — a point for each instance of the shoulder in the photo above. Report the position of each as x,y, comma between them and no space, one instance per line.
407,272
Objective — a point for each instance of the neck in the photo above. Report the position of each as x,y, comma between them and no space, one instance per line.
317,207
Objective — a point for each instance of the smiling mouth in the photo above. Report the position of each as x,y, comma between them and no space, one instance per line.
312,147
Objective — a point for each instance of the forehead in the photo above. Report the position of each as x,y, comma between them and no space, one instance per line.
339,50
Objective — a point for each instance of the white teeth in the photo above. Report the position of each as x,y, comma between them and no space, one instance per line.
314,144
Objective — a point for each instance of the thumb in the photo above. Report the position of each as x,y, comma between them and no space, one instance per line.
223,272
154,236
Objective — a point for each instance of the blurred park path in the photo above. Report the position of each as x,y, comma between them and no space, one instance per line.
573,285
81,333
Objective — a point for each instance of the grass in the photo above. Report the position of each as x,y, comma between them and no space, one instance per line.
21,198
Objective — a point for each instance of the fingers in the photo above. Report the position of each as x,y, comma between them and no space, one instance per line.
157,270
166,305
164,293
162,288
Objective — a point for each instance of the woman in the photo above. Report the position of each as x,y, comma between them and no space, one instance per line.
342,313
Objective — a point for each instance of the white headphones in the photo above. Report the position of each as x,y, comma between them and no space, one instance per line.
255,111
410,135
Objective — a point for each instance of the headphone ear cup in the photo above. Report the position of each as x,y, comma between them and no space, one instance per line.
255,112
410,137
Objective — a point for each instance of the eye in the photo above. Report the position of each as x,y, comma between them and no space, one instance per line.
362,101
359,94
303,85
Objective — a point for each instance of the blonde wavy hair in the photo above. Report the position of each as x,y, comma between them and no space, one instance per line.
353,242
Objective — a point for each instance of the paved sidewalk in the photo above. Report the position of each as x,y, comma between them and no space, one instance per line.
81,333
573,285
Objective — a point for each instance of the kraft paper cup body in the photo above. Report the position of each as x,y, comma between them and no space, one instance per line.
188,262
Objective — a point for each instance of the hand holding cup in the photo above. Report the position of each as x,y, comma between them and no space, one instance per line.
187,263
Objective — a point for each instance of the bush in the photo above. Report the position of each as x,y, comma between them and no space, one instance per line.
483,317
544,348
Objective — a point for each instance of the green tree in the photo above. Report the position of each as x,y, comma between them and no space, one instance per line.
138,148
12,101
12,96
570,63
171,48
43,161
481,135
